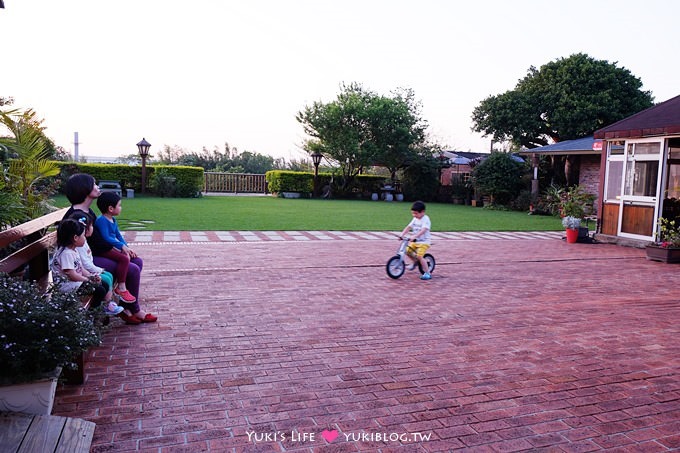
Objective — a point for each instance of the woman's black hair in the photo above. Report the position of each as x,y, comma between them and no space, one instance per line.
66,230
78,187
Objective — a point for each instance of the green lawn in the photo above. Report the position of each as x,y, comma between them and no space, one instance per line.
270,213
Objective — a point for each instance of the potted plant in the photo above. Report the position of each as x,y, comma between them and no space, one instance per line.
40,332
571,225
573,202
667,246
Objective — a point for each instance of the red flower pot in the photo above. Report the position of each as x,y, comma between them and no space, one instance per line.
572,235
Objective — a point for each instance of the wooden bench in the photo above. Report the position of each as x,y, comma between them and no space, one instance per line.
35,254
32,262
44,433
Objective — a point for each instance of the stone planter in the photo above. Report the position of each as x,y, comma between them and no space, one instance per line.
35,397
374,196
665,255
291,194
399,197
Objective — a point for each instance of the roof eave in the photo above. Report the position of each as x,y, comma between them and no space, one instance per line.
640,133
563,152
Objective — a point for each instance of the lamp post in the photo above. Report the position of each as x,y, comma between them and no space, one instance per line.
143,148
316,158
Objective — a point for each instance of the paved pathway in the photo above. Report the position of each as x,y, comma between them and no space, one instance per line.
245,236
307,346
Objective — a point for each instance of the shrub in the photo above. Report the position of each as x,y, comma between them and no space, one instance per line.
669,233
499,176
188,181
40,331
571,222
289,181
420,180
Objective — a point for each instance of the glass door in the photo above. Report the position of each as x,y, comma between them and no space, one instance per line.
640,188
671,198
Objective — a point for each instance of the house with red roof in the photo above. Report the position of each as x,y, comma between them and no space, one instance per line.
640,173
581,159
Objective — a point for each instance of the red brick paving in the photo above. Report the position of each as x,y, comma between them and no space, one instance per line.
513,345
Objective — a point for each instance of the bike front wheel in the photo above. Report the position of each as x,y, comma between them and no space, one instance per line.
430,263
395,267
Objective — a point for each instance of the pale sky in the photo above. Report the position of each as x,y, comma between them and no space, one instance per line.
205,72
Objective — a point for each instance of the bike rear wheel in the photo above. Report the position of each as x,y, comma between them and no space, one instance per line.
395,267
430,263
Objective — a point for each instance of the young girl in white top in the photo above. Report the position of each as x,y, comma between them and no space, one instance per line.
68,268
85,252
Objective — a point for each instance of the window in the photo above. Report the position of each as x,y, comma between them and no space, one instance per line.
673,178
646,148
641,178
458,178
673,190
614,177
642,169
615,148
612,190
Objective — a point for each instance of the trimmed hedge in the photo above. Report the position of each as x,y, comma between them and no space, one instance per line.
370,183
279,181
188,181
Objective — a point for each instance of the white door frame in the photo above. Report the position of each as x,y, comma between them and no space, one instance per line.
638,200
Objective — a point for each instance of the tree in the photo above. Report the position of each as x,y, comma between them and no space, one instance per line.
499,176
420,179
251,163
29,163
12,211
396,129
565,99
361,129
230,161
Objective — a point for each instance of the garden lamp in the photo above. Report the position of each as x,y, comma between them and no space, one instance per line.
143,148
316,159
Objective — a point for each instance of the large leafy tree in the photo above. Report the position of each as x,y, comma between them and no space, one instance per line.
361,128
397,129
565,99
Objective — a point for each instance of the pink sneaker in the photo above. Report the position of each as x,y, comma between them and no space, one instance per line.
125,296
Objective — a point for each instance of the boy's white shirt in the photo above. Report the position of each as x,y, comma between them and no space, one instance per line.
87,261
419,224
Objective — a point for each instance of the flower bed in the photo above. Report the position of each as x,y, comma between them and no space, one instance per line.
41,331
